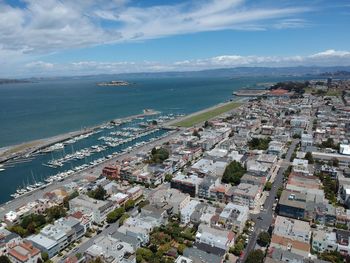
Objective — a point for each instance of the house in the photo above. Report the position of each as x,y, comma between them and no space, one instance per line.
288,244
186,212
97,208
306,140
112,171
7,238
188,184
173,197
323,240
134,193
23,252
246,195
292,204
234,217
135,231
45,244
292,228
111,250
222,240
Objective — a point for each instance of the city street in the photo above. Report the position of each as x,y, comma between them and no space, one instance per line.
263,220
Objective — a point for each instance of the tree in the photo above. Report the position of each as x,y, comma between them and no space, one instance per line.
181,248
44,256
123,218
256,256
196,133
68,198
55,212
129,204
238,248
233,173
308,156
159,155
279,192
168,177
259,143
264,239
268,186
19,230
335,162
99,193
4,259
115,215
144,254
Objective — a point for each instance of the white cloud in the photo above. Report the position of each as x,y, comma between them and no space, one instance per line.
55,25
325,58
39,65
331,53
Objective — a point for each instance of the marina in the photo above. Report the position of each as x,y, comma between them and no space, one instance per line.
58,161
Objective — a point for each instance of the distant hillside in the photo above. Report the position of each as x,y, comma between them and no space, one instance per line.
11,81
339,73
239,72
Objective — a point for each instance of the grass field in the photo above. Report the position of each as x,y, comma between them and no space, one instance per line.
207,115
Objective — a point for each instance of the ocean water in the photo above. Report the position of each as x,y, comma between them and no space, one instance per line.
31,111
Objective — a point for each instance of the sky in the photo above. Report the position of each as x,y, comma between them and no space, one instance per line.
66,37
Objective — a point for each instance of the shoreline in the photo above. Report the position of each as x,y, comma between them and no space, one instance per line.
23,149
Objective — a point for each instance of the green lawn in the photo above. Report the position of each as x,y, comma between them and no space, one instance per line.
207,115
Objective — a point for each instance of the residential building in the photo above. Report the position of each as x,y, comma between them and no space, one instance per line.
23,252
97,208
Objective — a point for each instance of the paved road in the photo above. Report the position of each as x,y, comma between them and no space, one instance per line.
266,215
94,171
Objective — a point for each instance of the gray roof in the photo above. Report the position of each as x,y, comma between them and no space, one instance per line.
200,256
133,241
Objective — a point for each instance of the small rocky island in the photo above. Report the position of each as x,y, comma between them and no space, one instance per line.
114,83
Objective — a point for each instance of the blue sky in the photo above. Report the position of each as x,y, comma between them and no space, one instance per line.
63,37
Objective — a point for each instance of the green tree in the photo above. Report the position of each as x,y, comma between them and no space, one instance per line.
168,177
129,204
259,143
68,198
268,186
144,254
55,212
123,218
19,230
159,155
308,156
238,248
44,256
233,173
279,192
332,256
181,248
115,215
99,193
255,256
4,259
264,239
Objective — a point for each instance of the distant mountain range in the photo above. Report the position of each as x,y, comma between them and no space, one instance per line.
9,81
336,71
238,72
